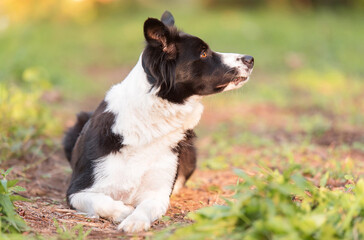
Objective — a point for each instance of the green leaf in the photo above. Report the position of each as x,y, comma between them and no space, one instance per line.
324,179
12,182
7,172
7,205
4,184
17,189
349,177
17,198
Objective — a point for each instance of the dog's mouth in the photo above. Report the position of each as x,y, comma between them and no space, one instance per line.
236,81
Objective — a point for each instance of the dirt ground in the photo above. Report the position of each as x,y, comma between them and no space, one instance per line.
46,184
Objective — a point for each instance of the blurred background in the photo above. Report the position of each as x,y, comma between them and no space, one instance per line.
306,92
303,105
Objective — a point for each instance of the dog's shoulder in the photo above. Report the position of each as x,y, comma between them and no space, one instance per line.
97,139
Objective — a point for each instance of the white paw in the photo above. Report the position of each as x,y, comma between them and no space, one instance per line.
125,211
135,222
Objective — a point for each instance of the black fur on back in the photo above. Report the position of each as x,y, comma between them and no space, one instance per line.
72,134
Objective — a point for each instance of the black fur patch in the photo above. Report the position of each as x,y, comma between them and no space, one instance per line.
95,141
186,153
72,134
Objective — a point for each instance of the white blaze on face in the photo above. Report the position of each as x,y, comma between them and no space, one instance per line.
234,61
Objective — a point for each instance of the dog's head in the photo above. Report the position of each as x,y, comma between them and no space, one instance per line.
179,65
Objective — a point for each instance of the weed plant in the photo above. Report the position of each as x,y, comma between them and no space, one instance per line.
274,205
10,222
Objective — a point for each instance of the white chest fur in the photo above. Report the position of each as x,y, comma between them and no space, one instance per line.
150,127
125,175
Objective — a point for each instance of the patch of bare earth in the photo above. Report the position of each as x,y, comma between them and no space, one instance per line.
47,181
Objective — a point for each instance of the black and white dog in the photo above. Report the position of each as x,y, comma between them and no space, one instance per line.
137,146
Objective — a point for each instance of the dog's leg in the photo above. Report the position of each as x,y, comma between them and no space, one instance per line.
145,214
99,204
179,184
153,196
186,160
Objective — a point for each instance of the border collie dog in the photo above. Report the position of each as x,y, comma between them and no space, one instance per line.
137,146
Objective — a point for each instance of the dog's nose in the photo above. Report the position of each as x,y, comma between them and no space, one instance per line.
248,61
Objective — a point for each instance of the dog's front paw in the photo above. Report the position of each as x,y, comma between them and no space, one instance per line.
136,222
123,213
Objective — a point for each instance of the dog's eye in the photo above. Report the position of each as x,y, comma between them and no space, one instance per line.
203,54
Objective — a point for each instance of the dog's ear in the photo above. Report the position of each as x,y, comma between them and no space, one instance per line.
158,35
155,32
168,19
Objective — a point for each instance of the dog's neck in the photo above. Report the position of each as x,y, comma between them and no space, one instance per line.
141,116
149,75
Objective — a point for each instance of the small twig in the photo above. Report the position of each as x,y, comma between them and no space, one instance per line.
90,224
64,210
